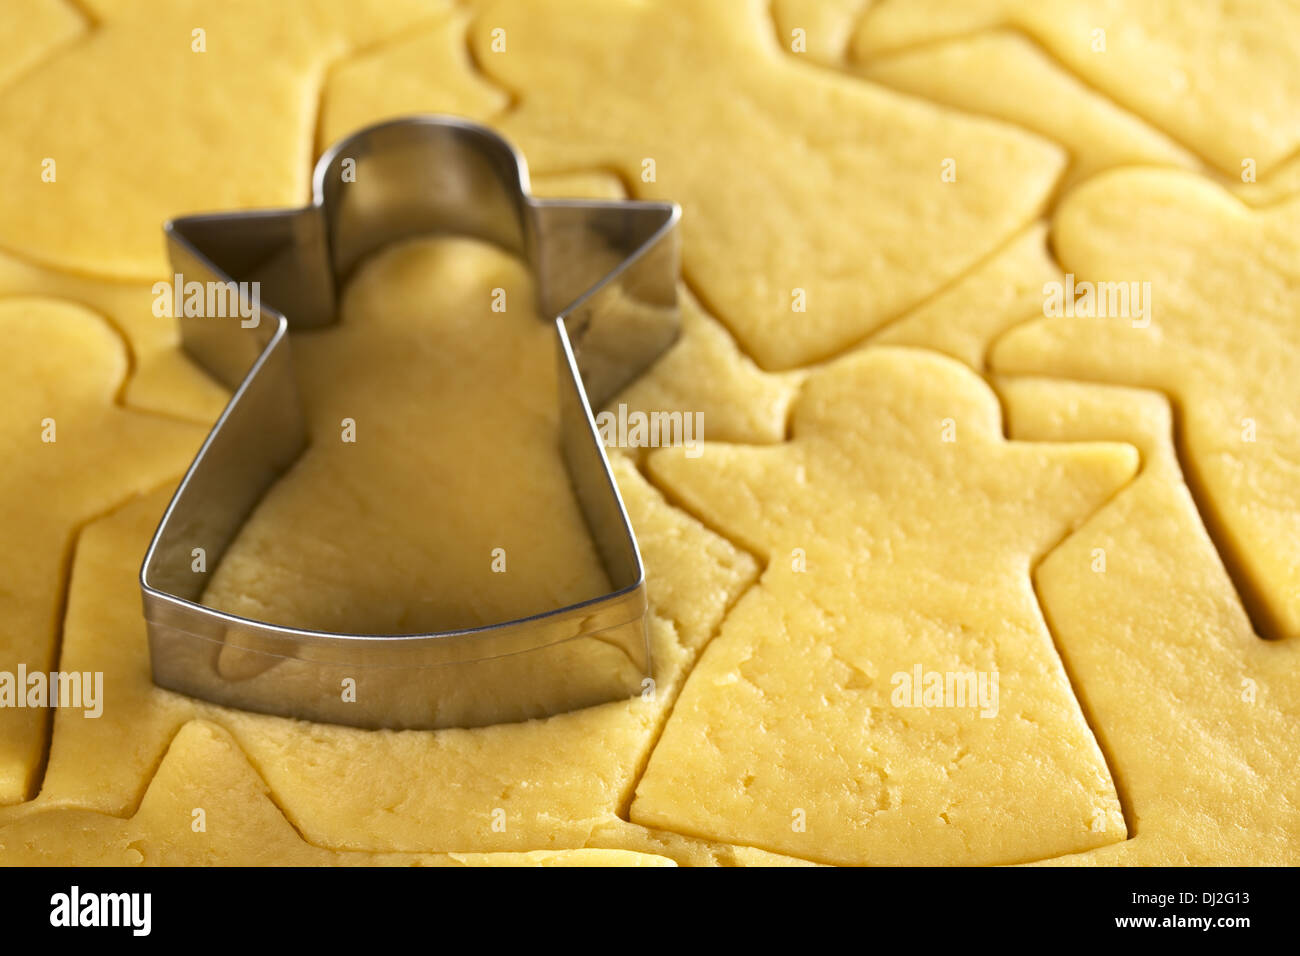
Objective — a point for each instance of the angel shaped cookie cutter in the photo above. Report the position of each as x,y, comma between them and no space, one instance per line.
605,271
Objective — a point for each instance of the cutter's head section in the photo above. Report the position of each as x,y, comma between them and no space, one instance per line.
605,273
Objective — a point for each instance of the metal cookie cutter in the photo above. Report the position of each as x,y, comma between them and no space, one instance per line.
605,270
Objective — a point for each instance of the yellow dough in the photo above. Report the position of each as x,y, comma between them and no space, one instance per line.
1197,713
889,548
162,378
70,454
1098,134
1281,186
1222,79
207,807
791,178
1002,291
705,374
427,72
826,26
30,29
911,469
229,127
1222,340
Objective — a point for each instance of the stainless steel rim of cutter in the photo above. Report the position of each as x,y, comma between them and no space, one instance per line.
605,272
